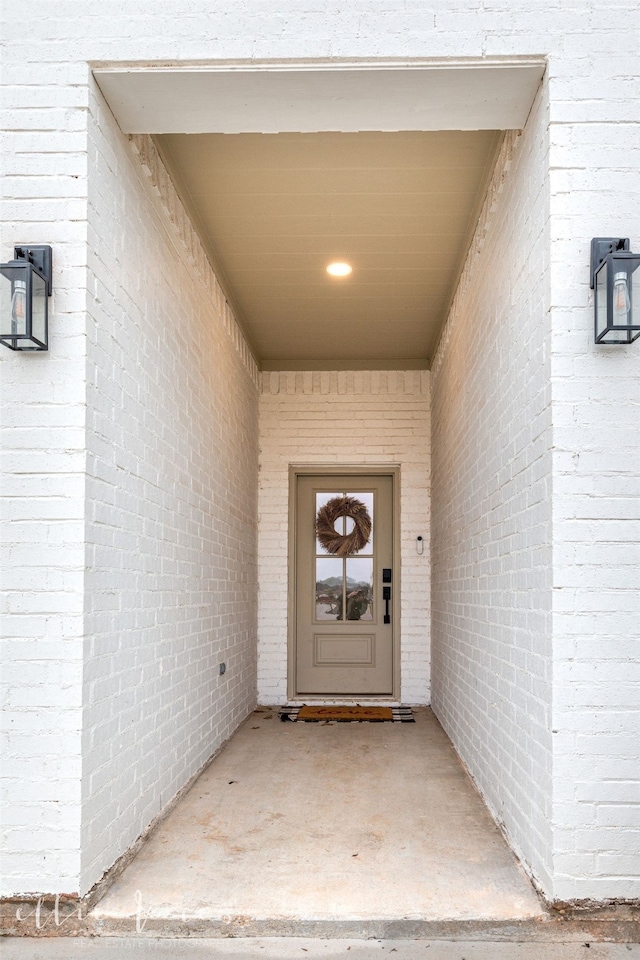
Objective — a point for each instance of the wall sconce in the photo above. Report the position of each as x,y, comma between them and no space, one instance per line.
617,309
24,323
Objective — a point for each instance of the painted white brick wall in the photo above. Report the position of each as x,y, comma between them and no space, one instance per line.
594,536
130,530
42,495
343,417
491,532
592,51
171,502
595,191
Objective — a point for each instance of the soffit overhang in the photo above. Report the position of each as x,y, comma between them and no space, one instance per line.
284,167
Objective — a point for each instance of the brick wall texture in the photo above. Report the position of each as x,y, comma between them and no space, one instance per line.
491,535
171,502
349,418
129,473
130,504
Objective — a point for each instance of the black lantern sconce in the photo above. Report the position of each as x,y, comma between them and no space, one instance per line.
617,305
24,299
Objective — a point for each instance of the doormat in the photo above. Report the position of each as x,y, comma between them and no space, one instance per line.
345,714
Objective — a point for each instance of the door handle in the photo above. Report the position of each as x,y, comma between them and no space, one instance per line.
386,596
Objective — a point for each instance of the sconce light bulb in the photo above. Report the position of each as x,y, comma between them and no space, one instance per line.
621,301
19,301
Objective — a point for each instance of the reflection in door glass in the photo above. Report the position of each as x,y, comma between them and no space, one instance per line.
321,500
367,499
329,588
359,588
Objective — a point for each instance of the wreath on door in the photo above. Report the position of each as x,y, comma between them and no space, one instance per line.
340,544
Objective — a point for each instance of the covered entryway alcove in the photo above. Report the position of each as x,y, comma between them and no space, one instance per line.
404,172
416,175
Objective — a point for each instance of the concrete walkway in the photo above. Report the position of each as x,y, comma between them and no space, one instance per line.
297,824
299,949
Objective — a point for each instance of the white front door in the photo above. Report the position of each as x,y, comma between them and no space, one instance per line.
344,586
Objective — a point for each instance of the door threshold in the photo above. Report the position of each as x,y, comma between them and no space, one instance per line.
343,701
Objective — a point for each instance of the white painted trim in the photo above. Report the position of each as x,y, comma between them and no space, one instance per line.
310,97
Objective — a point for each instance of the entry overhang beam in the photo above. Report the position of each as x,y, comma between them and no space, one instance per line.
312,99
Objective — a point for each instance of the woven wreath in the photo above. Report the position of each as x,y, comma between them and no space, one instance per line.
337,543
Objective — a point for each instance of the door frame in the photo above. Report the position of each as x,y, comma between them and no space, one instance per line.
328,470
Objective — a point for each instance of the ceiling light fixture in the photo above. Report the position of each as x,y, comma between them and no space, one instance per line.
339,269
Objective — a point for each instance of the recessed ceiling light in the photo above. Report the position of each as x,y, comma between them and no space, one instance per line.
339,269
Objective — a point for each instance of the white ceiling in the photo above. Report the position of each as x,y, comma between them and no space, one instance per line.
286,167
275,209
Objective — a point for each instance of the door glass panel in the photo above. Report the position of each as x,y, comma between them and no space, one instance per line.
367,499
329,588
344,584
344,525
321,500
359,588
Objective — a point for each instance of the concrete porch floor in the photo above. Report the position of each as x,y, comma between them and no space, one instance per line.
298,823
